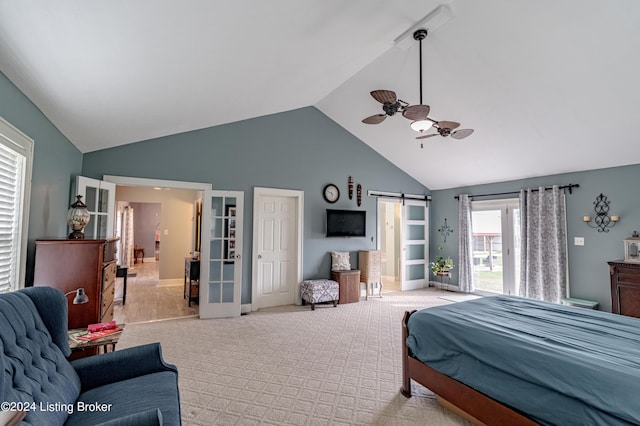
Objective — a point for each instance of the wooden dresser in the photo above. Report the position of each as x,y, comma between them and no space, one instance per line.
71,264
369,262
349,285
625,288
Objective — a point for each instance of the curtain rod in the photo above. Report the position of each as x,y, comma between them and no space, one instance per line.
569,187
399,195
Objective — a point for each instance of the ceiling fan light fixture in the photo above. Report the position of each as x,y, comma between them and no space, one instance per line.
421,125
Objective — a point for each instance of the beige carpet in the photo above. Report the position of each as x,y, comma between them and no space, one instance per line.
293,366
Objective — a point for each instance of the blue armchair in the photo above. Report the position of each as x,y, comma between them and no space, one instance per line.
133,386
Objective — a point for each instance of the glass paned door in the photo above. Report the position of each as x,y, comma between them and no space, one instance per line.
415,241
220,258
496,246
99,196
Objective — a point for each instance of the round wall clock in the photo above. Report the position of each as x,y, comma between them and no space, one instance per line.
331,193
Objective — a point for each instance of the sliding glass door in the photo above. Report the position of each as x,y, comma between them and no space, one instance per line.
496,246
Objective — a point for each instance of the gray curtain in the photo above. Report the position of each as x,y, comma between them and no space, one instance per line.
465,245
543,267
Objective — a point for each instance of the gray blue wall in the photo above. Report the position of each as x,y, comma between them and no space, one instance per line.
300,149
588,269
55,161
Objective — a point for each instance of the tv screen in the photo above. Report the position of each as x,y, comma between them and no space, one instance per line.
346,223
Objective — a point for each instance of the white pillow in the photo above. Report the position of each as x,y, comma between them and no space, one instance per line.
340,261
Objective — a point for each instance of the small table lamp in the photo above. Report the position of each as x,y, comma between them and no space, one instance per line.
80,298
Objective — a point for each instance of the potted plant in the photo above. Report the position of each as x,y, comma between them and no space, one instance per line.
441,266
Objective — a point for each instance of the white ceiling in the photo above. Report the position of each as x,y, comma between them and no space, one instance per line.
549,86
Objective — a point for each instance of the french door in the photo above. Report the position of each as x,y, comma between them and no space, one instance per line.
100,198
496,245
221,254
415,245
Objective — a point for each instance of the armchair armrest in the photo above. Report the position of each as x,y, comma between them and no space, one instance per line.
151,417
112,367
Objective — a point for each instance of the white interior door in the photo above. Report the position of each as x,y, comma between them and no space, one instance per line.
276,250
415,245
100,198
221,254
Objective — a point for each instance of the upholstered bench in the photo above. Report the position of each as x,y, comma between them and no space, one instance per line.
318,291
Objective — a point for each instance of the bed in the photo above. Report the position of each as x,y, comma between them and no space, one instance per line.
516,361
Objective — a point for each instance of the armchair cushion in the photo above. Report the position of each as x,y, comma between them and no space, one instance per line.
111,401
121,365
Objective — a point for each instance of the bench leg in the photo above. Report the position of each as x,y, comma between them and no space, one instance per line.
335,303
313,306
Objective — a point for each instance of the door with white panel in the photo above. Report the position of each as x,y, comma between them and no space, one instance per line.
415,245
100,198
276,257
221,254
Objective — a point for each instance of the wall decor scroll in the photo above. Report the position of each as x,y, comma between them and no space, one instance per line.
350,187
359,190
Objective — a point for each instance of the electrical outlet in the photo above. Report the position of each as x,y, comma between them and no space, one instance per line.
578,241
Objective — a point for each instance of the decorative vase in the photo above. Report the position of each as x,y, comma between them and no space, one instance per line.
77,218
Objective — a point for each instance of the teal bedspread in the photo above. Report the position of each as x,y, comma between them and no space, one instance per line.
556,364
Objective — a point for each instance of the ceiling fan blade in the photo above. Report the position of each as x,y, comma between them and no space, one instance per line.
461,134
450,125
384,96
416,112
375,119
427,136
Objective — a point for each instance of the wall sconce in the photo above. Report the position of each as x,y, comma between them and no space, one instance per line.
80,298
602,220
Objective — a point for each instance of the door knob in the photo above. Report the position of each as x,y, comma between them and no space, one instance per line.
259,256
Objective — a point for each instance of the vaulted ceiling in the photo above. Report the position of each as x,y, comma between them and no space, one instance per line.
549,86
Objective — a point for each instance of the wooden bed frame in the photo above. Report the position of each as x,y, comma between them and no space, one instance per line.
454,395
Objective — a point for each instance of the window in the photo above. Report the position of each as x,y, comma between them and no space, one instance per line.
16,157
496,245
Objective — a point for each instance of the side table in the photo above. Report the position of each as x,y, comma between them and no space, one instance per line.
191,273
81,349
121,272
349,282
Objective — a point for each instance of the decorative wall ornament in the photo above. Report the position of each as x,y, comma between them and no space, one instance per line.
359,191
602,220
445,230
351,187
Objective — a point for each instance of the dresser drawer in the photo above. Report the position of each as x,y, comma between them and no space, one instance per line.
109,275
107,315
107,299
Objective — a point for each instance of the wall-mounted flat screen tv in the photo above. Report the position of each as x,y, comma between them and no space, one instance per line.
346,223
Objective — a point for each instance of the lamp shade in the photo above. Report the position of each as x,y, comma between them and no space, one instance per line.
80,297
77,218
421,125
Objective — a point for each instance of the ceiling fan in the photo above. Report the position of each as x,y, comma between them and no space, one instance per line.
418,114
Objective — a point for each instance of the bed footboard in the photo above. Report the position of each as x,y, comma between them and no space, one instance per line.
478,407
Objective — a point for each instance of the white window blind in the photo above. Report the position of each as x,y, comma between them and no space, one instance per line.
10,187
16,152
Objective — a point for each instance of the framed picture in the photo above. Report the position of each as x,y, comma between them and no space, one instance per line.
230,234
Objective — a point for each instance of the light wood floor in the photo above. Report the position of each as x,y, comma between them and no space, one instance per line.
148,302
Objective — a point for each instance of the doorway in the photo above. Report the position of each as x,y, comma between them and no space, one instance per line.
389,225
158,279
496,246
403,235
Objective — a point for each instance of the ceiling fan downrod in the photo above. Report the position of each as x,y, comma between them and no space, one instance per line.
420,35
